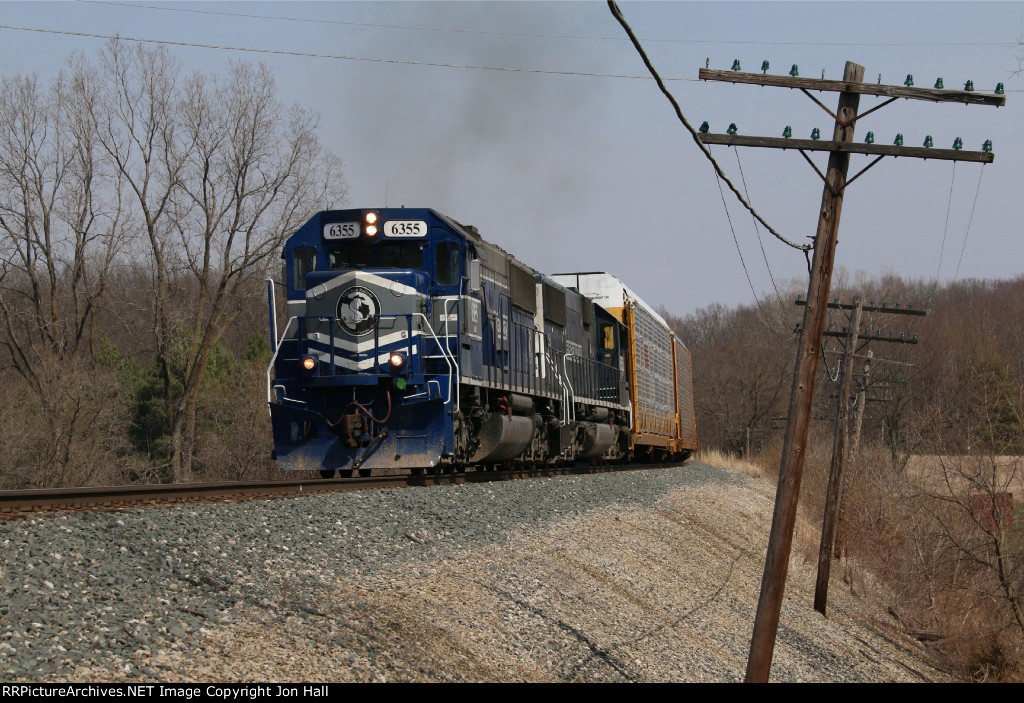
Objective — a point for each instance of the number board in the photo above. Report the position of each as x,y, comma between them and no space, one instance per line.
341,230
405,228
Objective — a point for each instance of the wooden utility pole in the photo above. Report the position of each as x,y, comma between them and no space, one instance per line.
850,89
780,541
835,477
862,397
840,440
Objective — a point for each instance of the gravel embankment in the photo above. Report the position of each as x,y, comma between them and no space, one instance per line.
636,576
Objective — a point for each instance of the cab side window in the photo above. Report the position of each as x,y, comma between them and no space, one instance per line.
608,343
303,261
446,263
608,337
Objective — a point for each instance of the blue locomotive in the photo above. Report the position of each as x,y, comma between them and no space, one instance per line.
413,343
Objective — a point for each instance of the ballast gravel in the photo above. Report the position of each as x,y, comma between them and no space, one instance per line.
646,575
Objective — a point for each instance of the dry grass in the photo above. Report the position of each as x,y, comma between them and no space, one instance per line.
724,460
910,548
765,466
1004,473
911,530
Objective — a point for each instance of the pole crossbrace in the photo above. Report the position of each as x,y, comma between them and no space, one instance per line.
855,87
920,152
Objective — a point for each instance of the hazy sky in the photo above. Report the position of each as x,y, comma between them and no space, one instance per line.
594,173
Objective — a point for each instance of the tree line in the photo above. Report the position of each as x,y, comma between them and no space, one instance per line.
932,504
140,207
957,390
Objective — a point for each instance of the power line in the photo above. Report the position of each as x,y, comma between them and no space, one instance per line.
969,221
340,57
693,133
945,228
306,54
735,239
756,42
757,230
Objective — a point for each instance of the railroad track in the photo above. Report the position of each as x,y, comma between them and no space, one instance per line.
15,504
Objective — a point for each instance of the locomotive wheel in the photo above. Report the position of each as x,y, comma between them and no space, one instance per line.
364,473
326,473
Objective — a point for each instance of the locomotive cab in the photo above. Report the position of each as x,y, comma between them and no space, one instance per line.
369,343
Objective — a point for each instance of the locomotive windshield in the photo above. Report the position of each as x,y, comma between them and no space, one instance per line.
387,255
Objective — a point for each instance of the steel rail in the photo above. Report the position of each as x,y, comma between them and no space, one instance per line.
20,503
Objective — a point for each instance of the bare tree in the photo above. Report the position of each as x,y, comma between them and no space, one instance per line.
136,128
221,173
741,370
254,171
62,228
957,547
61,217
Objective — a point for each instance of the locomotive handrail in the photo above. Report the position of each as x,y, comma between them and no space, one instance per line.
273,360
568,392
449,359
272,304
446,353
448,338
558,379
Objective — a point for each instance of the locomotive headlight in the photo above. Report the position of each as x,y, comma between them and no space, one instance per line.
397,361
371,224
308,363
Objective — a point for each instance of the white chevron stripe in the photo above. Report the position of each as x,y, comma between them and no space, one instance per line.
364,346
351,365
